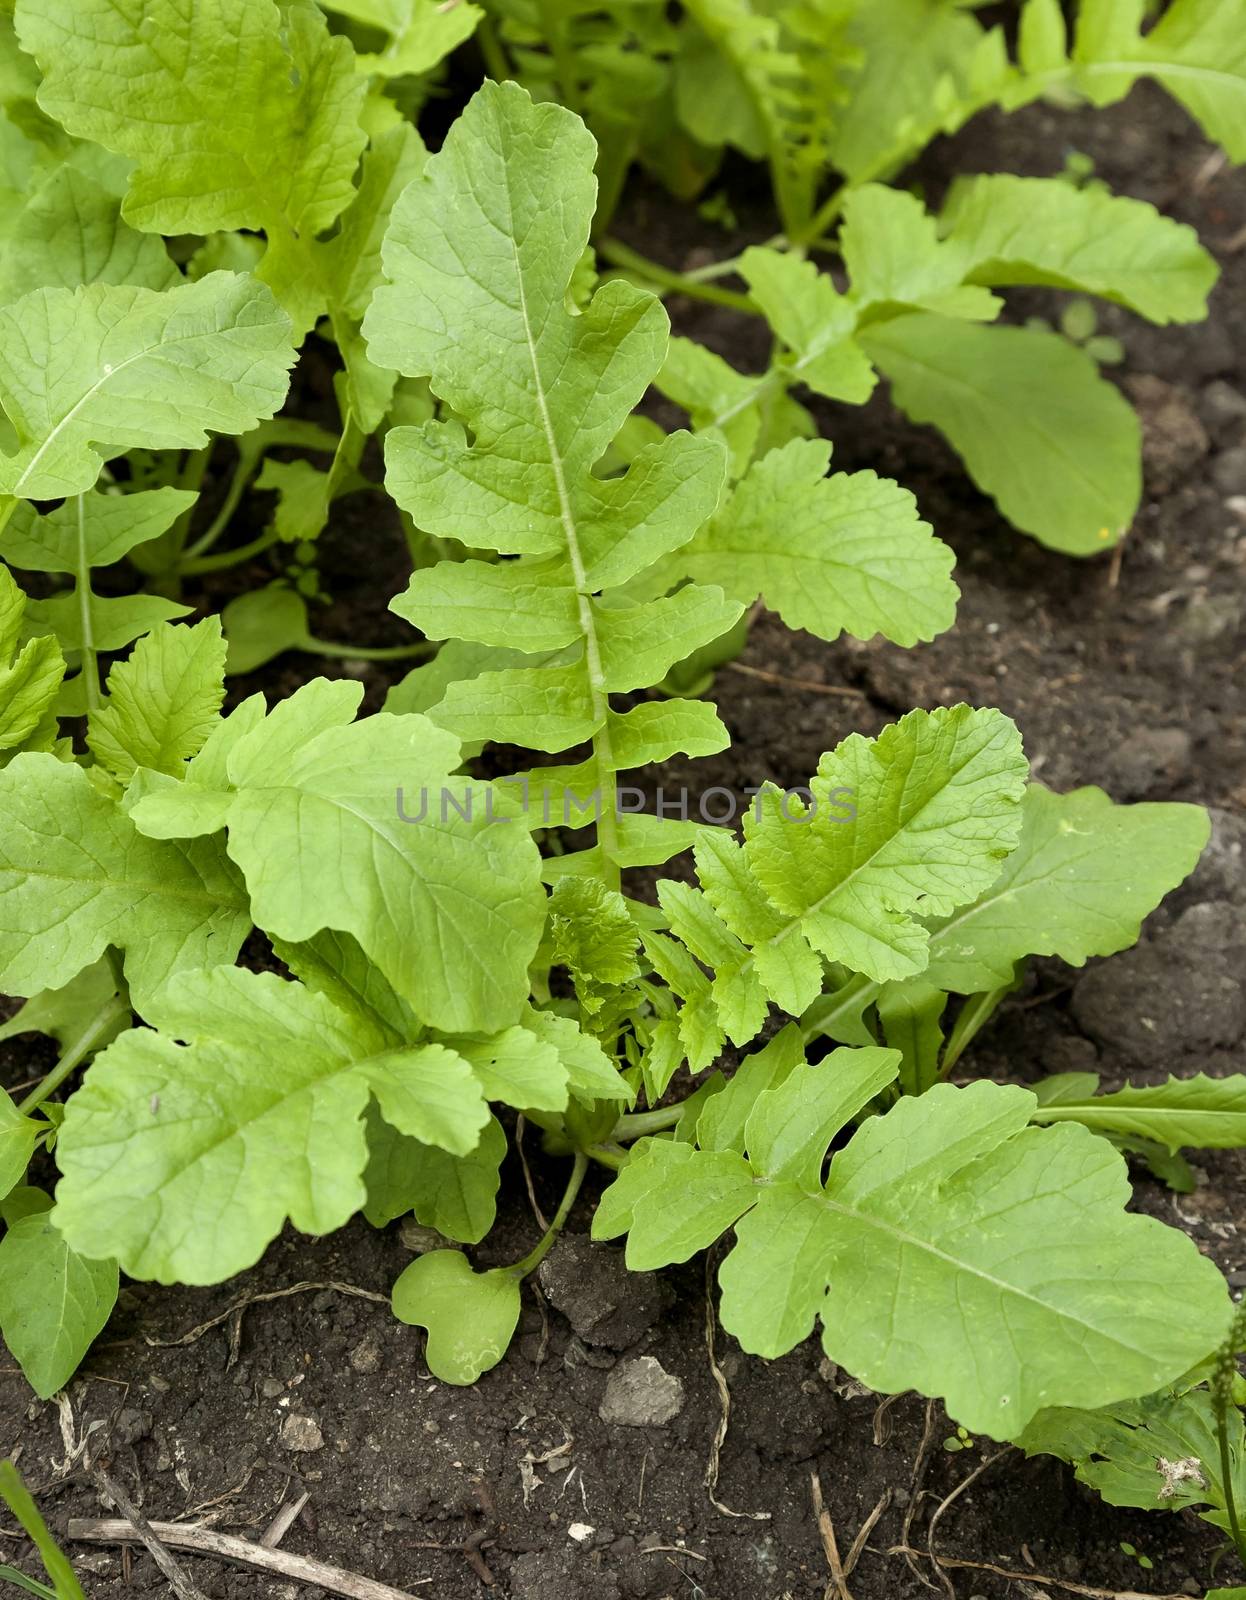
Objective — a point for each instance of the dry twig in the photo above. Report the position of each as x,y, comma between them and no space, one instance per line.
956,1493
830,1545
782,681
239,1306
1087,1590
206,1541
142,1530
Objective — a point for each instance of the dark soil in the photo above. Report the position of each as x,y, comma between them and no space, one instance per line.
1124,673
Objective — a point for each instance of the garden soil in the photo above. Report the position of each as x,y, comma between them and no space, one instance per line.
1125,671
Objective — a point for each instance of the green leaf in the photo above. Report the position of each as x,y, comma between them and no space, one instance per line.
30,676
53,1301
845,554
1044,231
517,1066
936,807
162,702
75,877
21,1503
67,230
470,1316
64,1013
19,1138
91,372
911,1015
1055,445
1198,1113
264,135
1122,1451
262,624
257,1117
952,1249
421,32
90,530
310,799
814,321
1197,50
457,1195
1083,876
545,392
894,256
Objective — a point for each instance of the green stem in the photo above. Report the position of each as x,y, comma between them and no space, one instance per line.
976,1012
564,60
636,1124
229,558
608,1155
1226,1474
623,256
496,64
244,468
366,652
82,589
76,1053
823,216
533,1260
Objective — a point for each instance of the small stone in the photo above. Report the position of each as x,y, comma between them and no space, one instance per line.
1223,409
366,1356
1228,470
160,1385
131,1426
641,1394
417,1239
271,1388
301,1433
432,1428
581,1532
1150,759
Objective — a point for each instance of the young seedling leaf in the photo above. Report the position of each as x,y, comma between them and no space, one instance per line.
53,1301
1198,1113
162,702
470,1316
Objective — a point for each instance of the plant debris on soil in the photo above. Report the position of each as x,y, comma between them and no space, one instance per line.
585,1466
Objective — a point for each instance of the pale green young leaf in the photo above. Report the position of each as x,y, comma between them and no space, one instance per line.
336,966
29,676
844,554
1054,444
911,1015
1198,1113
591,1075
162,702
83,619
517,1066
936,808
67,230
53,1301
894,256
470,1316
264,135
1084,874
352,257
456,1195
90,530
255,1118
19,1138
545,392
75,877
814,321
722,1121
262,623
91,372
421,33
313,823
793,1122
1042,230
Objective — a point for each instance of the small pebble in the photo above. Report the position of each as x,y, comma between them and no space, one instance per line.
301,1433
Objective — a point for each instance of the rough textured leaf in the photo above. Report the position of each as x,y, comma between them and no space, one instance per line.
262,135
457,1195
952,1249
470,1316
90,372
1054,444
29,676
75,877
1198,1113
845,554
19,1137
449,908
1083,876
162,702
1042,230
185,1159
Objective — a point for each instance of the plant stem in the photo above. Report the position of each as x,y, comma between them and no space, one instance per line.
496,64
823,216
636,1124
76,1053
1226,1474
244,468
622,255
192,567
366,652
533,1260
82,590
